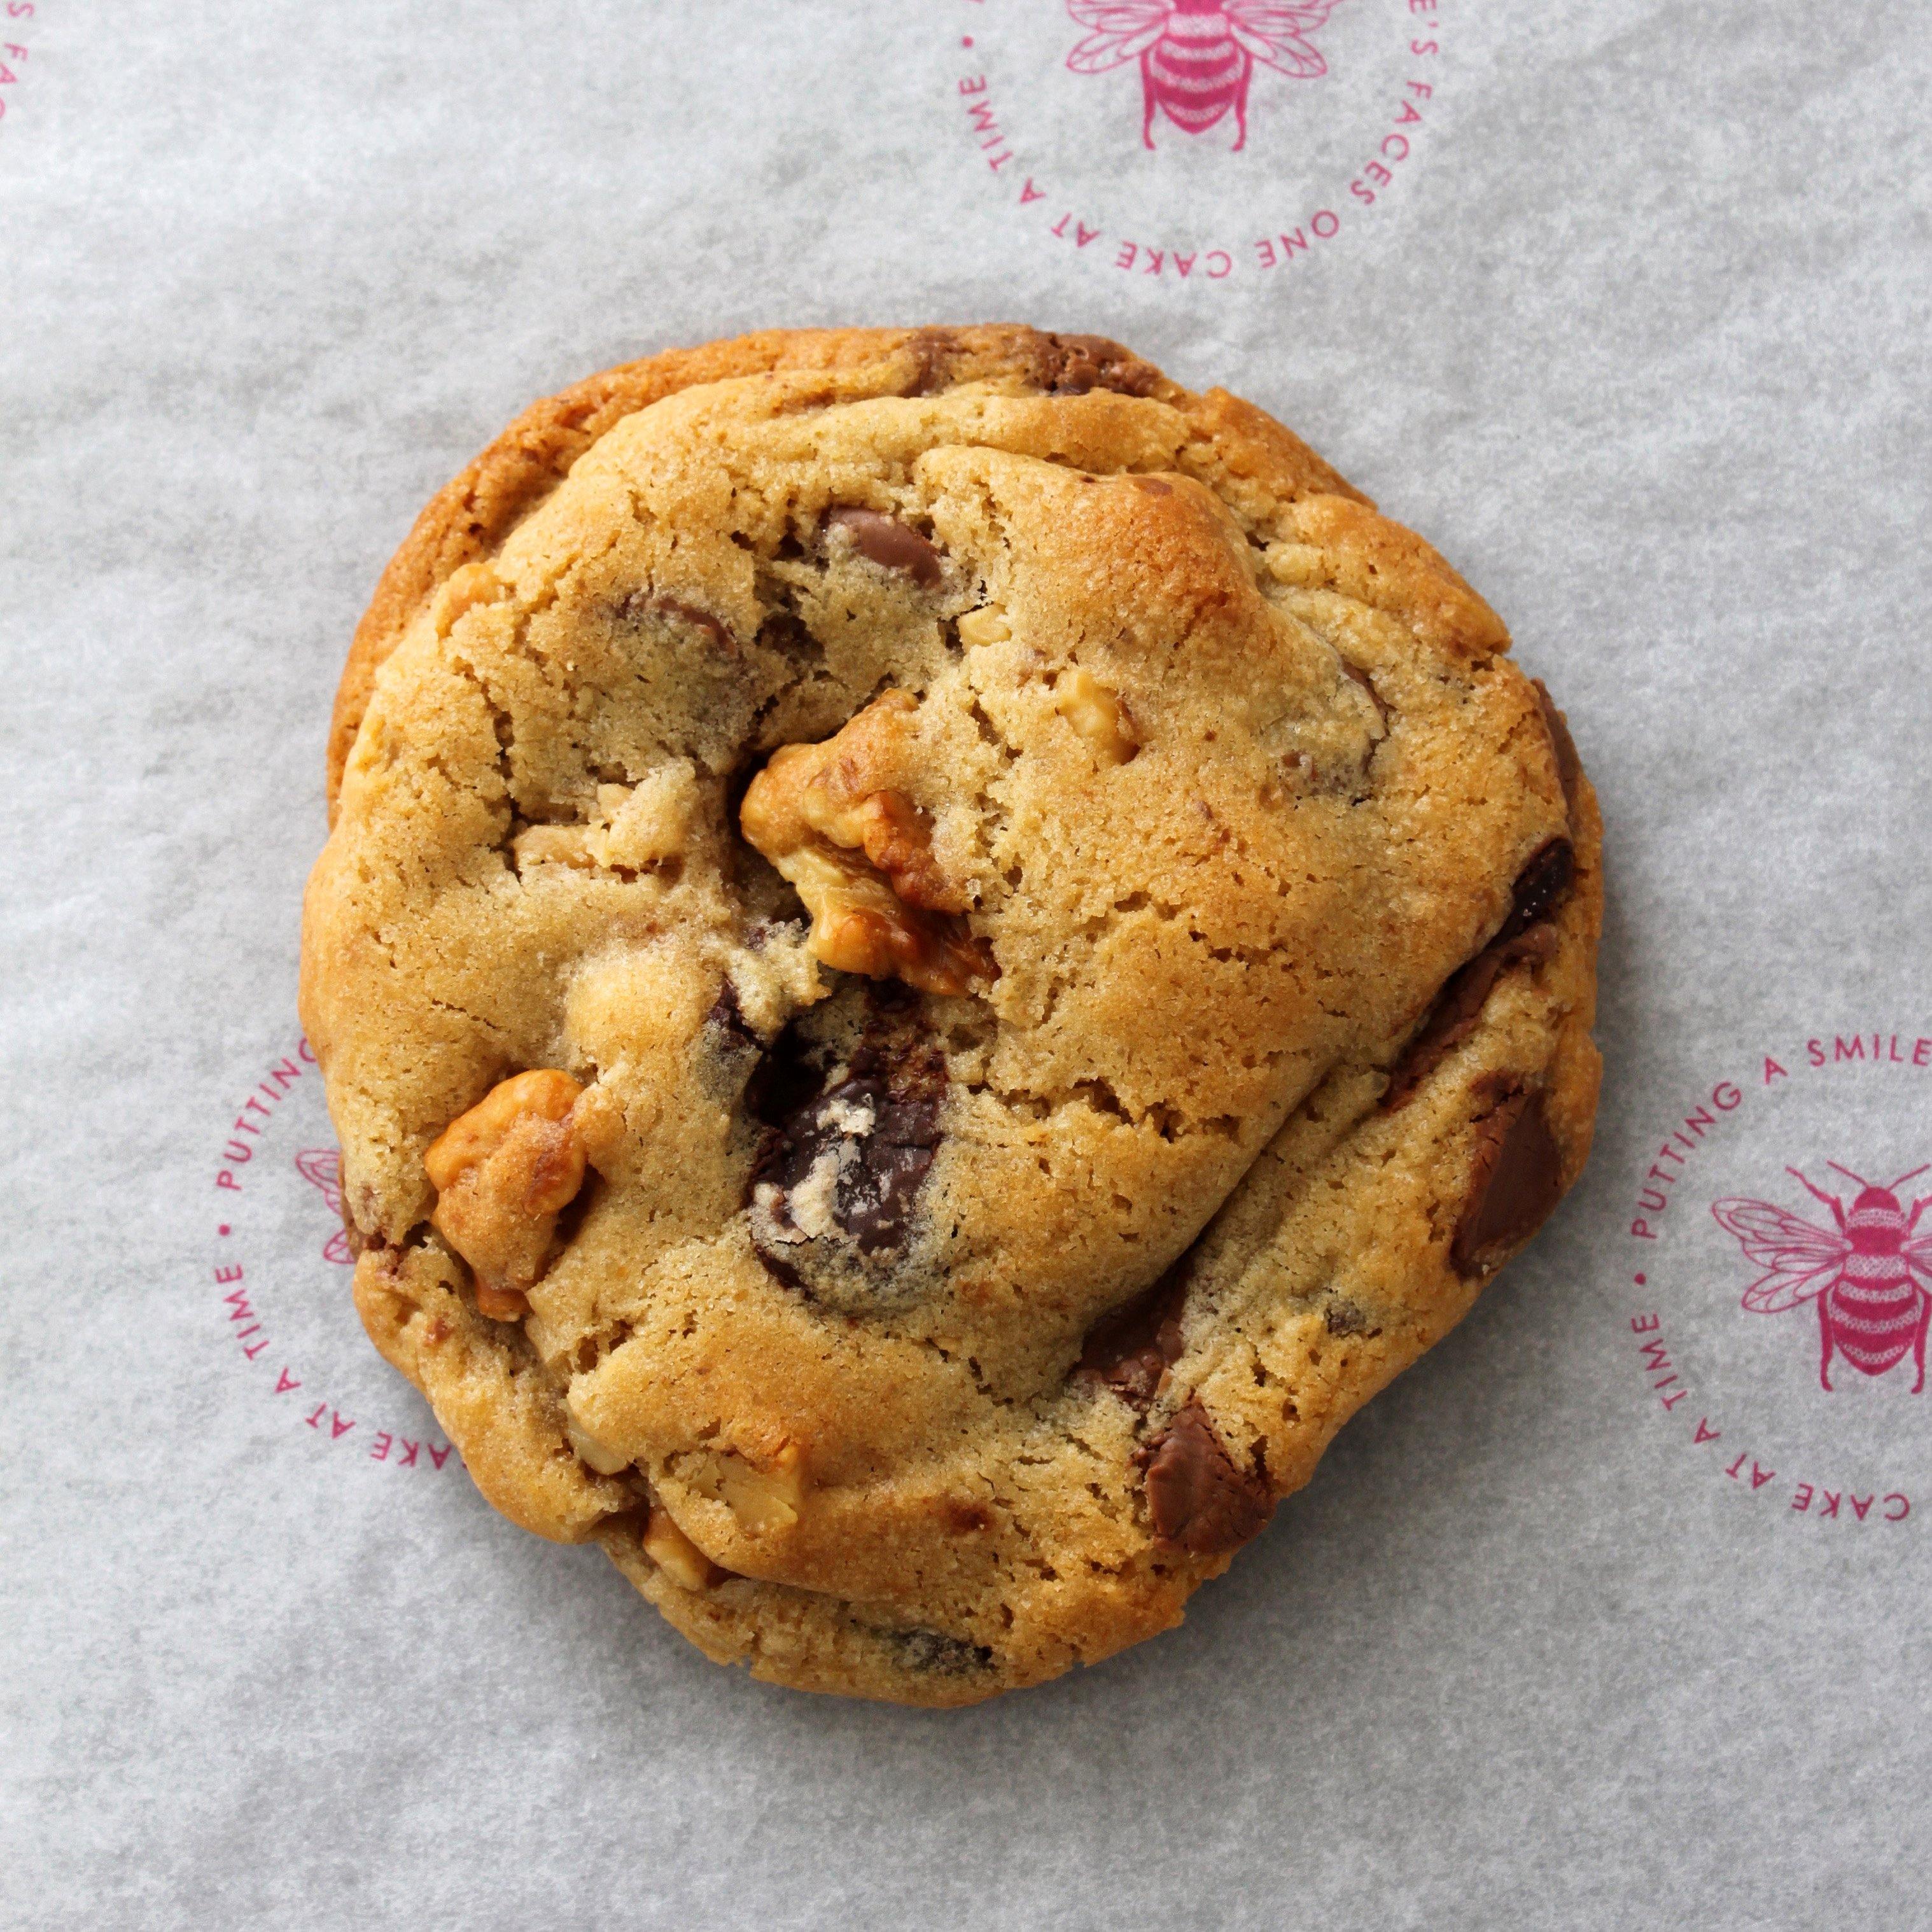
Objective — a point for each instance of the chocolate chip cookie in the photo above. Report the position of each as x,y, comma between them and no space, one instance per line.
936,956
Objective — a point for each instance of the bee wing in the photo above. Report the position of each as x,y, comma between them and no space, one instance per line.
1918,1255
1122,29
322,1167
1797,1257
336,1248
1272,34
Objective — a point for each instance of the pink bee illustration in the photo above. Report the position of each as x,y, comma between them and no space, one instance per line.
1197,56
1871,1308
322,1168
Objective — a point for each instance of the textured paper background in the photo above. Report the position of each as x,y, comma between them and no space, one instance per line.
1638,338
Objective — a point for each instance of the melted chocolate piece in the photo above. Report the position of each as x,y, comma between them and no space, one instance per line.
1368,684
1517,1177
1539,886
1070,365
1459,1005
879,1124
891,544
641,603
934,351
1569,767
1129,1350
1198,1499
933,1650
729,1019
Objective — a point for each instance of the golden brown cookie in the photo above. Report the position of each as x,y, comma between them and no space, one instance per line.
936,956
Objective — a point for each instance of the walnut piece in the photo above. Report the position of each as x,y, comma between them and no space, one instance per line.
461,592
599,1456
984,627
1097,714
762,1498
676,1555
553,845
860,852
502,1173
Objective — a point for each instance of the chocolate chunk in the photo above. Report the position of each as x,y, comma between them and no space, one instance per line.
1130,1349
847,1158
642,603
1368,684
1517,1177
1344,1317
1539,886
1198,1499
1459,1005
934,351
1070,365
933,1650
892,545
728,1018
1569,767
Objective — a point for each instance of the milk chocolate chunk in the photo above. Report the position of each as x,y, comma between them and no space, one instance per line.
1071,365
644,603
891,544
934,352
1569,767
1129,1350
1198,1499
1539,886
1459,1005
1517,1178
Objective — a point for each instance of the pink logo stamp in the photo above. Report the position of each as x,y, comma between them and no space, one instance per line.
1197,57
1783,1424
1283,144
282,1306
1870,1310
13,53
322,1167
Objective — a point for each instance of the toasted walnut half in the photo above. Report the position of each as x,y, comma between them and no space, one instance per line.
502,1173
860,852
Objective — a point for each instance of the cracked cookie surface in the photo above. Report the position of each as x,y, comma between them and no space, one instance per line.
936,955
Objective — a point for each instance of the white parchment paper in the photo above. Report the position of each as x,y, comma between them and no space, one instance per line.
1581,1624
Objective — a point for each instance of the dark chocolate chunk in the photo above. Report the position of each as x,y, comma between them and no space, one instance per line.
729,1019
1569,767
1342,1317
1516,1179
933,1650
891,544
1539,886
1130,1349
1459,1005
1198,1499
880,1124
